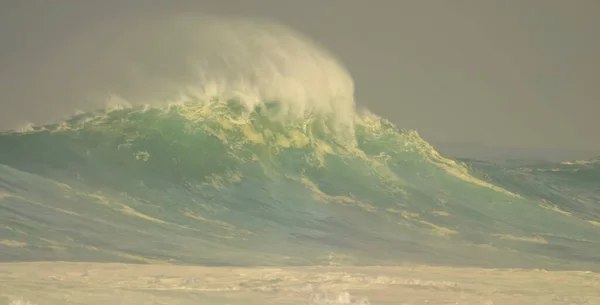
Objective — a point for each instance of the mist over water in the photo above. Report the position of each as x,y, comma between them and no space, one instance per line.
150,61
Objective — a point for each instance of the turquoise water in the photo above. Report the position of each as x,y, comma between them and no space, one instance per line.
214,184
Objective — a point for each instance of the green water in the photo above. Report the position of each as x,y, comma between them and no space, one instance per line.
212,184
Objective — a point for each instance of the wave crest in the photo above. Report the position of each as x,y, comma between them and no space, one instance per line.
253,62
192,58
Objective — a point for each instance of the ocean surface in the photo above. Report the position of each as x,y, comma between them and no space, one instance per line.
224,201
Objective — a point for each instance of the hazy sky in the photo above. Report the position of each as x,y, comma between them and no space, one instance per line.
505,72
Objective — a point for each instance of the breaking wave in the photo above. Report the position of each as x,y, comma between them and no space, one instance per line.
238,143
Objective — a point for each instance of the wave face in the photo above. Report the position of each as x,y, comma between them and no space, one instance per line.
571,188
258,157
211,183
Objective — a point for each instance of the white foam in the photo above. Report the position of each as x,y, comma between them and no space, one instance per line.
25,127
21,302
337,298
201,58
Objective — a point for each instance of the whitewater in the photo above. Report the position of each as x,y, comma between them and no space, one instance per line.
224,161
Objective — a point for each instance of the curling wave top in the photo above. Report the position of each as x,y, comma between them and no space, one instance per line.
159,62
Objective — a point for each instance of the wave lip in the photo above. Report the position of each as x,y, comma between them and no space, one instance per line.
202,59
